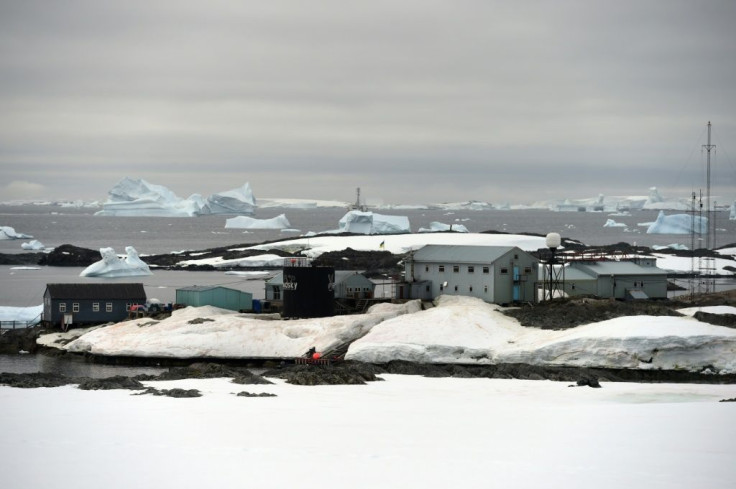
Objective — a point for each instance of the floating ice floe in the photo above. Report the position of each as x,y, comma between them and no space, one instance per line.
435,226
7,232
245,222
33,245
112,266
610,223
678,224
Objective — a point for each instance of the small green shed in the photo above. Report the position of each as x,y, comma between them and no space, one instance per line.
215,295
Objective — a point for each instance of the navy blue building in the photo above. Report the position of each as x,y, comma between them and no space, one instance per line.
82,304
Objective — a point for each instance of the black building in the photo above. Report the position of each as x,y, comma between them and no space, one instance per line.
308,292
83,304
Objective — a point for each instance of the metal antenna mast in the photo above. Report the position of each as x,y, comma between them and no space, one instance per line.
707,269
708,203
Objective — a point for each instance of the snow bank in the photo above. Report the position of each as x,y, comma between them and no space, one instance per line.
244,222
678,224
435,226
467,330
266,260
7,232
112,266
224,334
371,223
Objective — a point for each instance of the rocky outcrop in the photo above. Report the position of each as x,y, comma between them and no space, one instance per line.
68,255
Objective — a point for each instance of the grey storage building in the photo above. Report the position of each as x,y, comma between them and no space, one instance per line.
353,285
215,295
498,274
96,303
617,279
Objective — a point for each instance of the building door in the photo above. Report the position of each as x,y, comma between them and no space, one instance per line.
517,285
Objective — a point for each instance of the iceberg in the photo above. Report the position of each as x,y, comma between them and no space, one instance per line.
370,223
33,245
112,266
29,315
678,224
435,226
140,198
244,222
732,216
236,201
6,232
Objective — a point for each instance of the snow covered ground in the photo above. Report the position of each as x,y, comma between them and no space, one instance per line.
313,246
460,330
405,432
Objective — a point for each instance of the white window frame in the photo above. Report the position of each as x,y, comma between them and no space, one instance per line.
62,306
75,306
95,307
108,307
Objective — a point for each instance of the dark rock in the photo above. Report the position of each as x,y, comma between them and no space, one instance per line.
68,255
727,320
176,392
203,370
249,394
343,374
571,312
200,320
22,339
590,382
249,378
373,262
35,379
728,400
109,383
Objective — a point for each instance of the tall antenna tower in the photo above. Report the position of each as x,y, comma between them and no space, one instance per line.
708,202
707,262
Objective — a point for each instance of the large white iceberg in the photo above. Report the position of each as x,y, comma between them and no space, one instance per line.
370,223
112,266
6,232
245,222
678,224
140,198
236,201
732,217
435,226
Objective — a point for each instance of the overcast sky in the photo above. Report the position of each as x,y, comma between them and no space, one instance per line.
414,101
